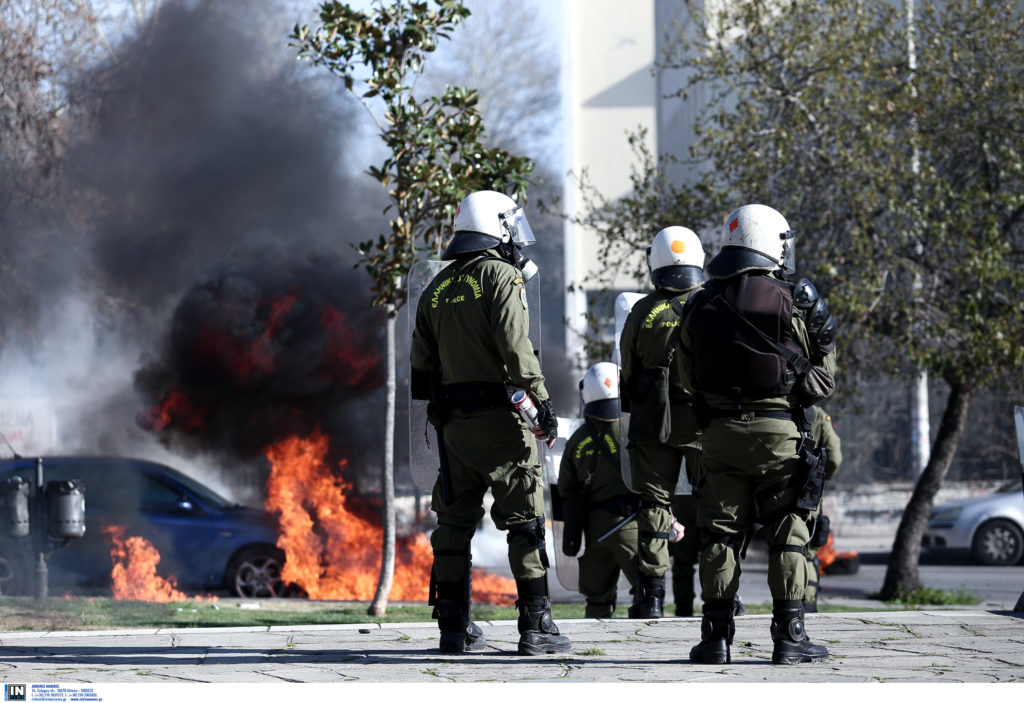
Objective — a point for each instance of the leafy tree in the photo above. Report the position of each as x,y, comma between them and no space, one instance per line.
906,183
435,155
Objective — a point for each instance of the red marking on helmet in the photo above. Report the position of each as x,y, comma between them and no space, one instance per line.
734,224
608,382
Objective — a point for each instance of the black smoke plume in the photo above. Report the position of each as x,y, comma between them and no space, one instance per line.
257,355
211,175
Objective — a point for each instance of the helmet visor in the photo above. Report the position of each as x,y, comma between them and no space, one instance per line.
514,222
788,251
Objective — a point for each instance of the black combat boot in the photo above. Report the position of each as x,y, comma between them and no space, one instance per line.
538,633
717,629
451,610
649,599
791,643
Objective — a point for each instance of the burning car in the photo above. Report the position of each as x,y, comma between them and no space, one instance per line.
205,541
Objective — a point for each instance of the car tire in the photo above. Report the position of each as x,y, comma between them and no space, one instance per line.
998,543
255,572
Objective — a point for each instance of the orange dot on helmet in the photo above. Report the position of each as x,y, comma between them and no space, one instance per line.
678,246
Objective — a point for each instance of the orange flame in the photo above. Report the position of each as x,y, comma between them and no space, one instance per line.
134,574
332,553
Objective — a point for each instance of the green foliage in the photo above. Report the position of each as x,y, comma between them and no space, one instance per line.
930,596
905,182
435,145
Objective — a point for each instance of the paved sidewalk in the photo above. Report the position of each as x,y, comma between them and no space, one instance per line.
933,646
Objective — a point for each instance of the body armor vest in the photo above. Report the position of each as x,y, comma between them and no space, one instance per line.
730,358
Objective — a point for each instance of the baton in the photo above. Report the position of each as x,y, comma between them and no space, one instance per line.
618,527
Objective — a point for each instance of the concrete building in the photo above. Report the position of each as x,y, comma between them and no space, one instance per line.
611,89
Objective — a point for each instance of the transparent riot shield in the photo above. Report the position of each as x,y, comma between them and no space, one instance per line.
623,304
423,456
566,568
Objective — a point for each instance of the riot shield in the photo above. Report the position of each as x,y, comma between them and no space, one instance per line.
423,439
623,304
566,568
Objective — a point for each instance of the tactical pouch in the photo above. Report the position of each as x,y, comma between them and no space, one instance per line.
574,513
813,460
650,418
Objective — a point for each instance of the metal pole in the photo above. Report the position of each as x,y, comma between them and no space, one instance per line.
40,528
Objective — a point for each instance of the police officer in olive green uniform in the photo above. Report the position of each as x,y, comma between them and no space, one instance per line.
825,436
758,351
470,349
662,428
590,480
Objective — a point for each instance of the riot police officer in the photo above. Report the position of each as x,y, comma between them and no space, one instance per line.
825,436
758,351
597,504
470,351
662,429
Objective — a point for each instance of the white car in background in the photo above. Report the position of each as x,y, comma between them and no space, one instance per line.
990,527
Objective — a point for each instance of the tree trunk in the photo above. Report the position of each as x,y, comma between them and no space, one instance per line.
902,575
378,607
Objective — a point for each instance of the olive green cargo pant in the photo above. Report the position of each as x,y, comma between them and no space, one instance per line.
602,562
655,473
741,457
488,450
685,553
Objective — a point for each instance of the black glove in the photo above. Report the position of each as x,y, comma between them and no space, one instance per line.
546,419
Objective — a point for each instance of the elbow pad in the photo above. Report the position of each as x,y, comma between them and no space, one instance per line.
821,326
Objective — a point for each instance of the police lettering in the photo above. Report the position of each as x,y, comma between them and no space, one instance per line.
657,310
466,278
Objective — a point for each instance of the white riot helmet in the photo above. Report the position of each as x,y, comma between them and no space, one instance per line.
755,237
600,391
676,259
488,219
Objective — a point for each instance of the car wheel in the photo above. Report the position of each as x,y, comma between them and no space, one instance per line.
998,543
255,573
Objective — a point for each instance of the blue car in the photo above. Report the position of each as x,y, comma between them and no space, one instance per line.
205,541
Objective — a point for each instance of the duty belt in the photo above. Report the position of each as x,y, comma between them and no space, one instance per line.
715,413
476,395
